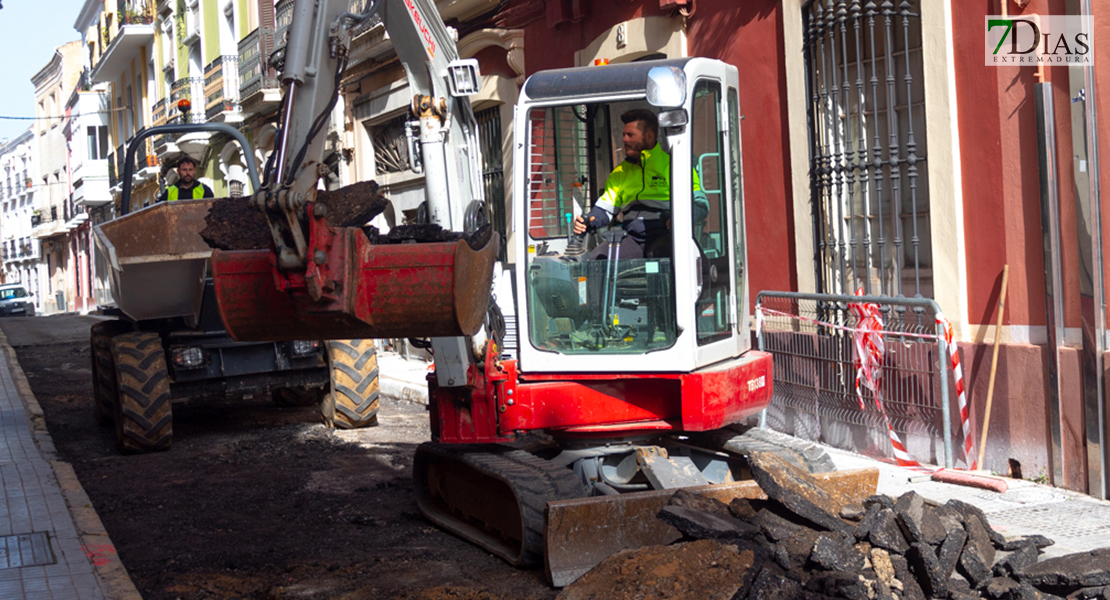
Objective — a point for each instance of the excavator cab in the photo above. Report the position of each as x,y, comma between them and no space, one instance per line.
679,302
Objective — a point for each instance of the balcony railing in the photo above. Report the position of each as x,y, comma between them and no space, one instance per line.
221,86
135,12
191,89
255,74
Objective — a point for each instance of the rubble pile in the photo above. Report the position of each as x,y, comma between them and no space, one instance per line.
811,542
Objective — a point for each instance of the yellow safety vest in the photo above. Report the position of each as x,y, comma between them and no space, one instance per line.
172,192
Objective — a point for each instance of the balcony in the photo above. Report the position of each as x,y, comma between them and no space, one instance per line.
94,178
259,88
221,88
191,89
122,41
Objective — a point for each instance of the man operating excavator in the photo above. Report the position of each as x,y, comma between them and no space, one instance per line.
638,194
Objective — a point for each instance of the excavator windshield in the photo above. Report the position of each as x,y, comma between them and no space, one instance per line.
610,291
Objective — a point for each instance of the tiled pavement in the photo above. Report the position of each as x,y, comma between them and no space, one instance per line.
42,555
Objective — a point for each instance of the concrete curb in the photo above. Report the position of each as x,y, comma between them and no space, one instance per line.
405,391
115,582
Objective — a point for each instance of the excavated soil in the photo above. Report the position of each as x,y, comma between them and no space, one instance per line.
701,570
232,224
259,501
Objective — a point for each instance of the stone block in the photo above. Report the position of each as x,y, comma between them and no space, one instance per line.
882,500
924,565
853,512
1039,541
886,533
910,588
851,586
978,556
701,525
1082,569
967,511
949,518
948,554
958,589
688,499
833,552
776,527
867,522
741,508
1002,588
919,523
884,570
1017,560
799,491
799,547
771,584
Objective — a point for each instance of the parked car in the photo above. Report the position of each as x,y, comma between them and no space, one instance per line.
14,300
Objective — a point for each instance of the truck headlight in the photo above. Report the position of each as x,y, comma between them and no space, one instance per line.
188,357
303,348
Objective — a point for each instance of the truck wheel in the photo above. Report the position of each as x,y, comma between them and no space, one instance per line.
104,369
144,421
353,401
298,396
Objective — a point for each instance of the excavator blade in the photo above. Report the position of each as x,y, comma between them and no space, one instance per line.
374,291
580,533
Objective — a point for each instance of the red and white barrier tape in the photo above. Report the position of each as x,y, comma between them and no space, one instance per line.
870,349
958,375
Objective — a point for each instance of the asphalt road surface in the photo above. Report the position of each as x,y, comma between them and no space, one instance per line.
255,500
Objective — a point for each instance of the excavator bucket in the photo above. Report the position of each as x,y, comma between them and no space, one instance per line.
578,534
377,291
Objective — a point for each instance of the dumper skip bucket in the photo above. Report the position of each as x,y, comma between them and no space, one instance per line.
381,291
157,259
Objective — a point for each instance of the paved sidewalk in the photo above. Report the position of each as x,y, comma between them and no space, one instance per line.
1076,522
52,544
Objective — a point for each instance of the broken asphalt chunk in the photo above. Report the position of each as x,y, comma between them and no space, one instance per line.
799,491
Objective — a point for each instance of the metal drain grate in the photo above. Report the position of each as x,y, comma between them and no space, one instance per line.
26,550
1026,496
1063,519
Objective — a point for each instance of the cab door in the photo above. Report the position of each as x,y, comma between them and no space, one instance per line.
712,234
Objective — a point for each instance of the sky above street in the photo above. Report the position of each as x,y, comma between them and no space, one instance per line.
30,30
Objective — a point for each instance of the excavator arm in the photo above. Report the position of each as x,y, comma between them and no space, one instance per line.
324,281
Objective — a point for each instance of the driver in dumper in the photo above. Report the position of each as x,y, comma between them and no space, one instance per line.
186,187
638,194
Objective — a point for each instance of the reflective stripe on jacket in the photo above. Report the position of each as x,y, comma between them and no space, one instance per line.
173,191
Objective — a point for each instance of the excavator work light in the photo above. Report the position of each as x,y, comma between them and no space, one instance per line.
465,78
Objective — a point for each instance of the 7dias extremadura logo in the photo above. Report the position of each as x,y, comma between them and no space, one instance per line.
1032,40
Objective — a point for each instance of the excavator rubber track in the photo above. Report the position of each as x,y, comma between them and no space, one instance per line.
493,496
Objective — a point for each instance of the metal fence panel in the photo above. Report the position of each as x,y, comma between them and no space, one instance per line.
813,339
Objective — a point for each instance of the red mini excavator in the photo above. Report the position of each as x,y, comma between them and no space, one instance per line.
629,370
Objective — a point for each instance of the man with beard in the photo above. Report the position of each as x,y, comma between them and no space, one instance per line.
186,187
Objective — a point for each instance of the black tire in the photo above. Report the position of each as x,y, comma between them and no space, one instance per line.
298,396
144,417
105,388
353,400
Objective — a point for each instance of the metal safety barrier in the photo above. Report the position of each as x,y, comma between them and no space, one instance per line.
820,391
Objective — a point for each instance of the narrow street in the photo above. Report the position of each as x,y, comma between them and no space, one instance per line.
255,500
